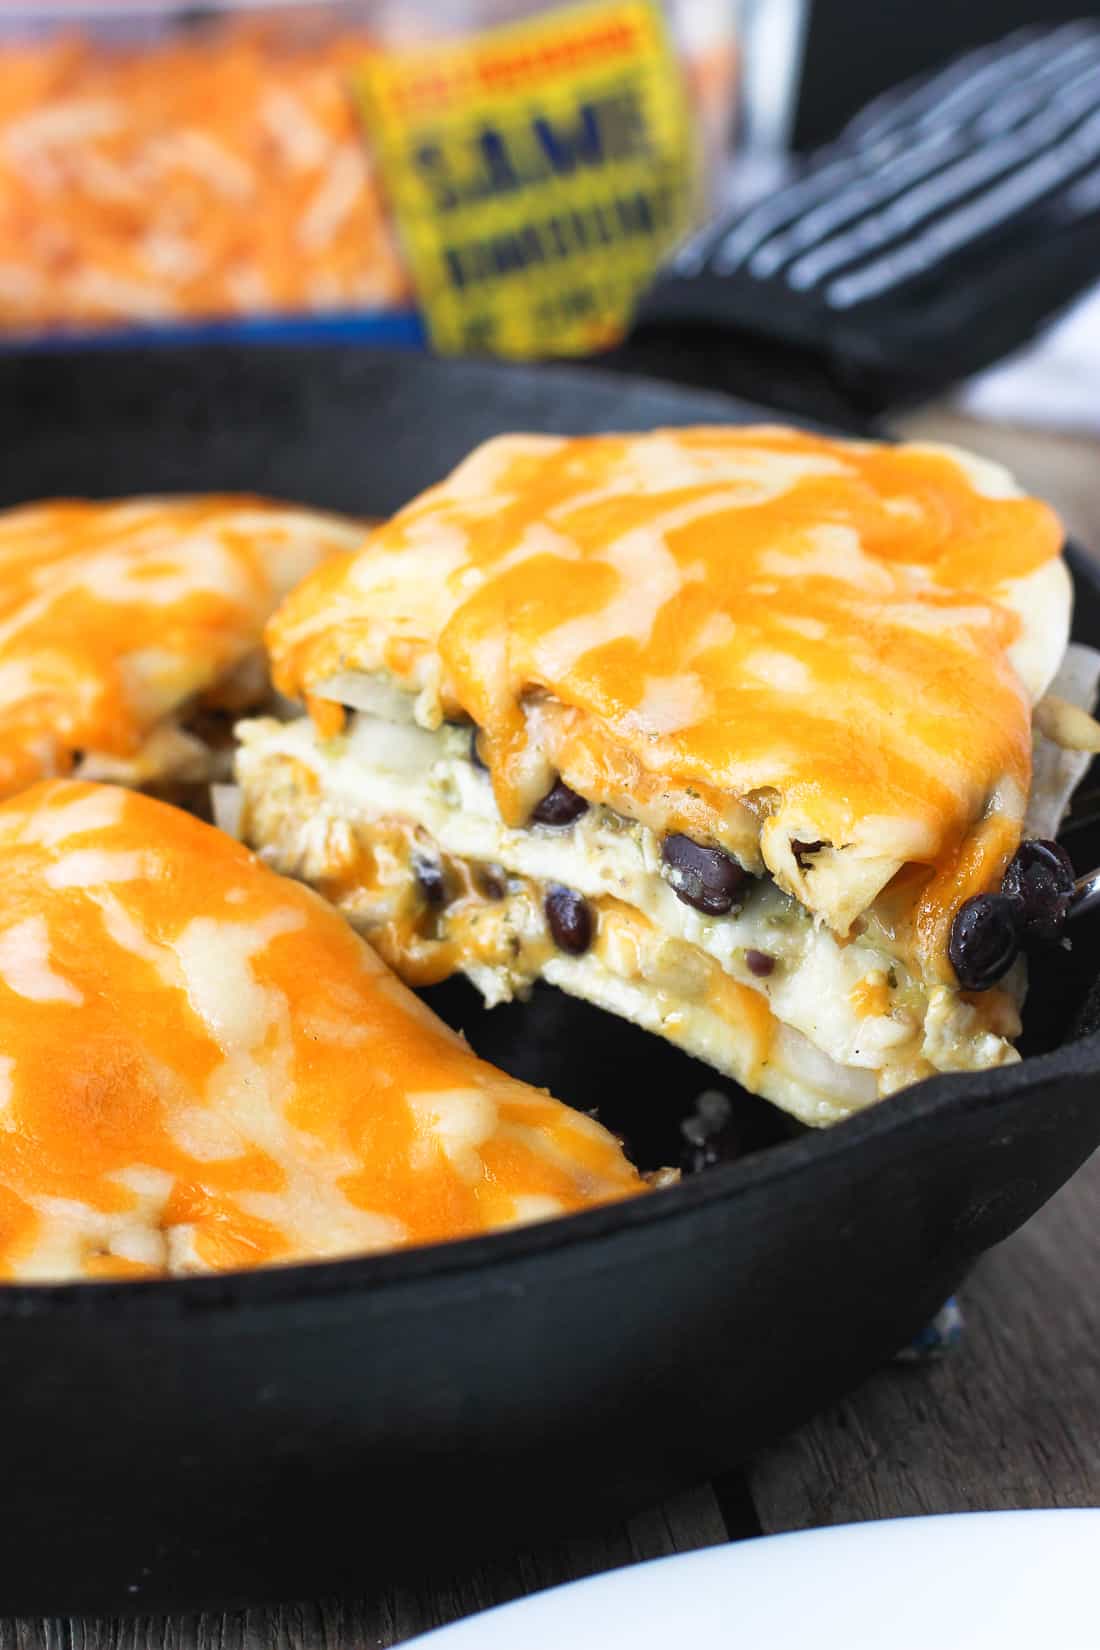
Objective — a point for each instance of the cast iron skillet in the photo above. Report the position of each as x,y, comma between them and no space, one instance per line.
272,1434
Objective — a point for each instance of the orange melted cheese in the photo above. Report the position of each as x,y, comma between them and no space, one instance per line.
219,172
826,633
112,616
204,1067
870,996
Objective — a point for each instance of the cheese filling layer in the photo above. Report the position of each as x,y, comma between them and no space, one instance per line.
801,667
397,826
755,637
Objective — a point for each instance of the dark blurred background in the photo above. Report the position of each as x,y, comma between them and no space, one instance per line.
855,49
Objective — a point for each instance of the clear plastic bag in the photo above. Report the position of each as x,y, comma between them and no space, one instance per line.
163,165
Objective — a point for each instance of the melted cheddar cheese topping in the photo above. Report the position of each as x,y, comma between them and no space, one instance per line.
112,616
204,1067
797,640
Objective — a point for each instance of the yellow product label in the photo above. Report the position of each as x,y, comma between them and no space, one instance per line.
538,172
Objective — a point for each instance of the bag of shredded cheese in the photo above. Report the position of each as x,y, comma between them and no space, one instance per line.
492,176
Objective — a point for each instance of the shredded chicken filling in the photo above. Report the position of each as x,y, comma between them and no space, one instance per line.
399,827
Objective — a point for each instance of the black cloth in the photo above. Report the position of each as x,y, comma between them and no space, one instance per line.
953,218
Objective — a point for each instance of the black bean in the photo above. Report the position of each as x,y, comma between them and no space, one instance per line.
570,919
1039,881
759,963
804,851
706,878
490,881
475,753
560,806
985,940
431,880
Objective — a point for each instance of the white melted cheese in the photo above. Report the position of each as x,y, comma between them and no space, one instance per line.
25,964
798,1077
383,769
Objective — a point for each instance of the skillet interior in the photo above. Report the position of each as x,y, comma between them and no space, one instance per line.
225,1439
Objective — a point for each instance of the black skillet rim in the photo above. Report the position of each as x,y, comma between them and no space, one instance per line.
963,1094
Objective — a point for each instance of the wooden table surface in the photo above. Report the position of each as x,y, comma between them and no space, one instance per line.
1010,1418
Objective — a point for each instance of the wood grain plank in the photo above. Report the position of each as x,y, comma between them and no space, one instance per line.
682,1524
1011,1418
